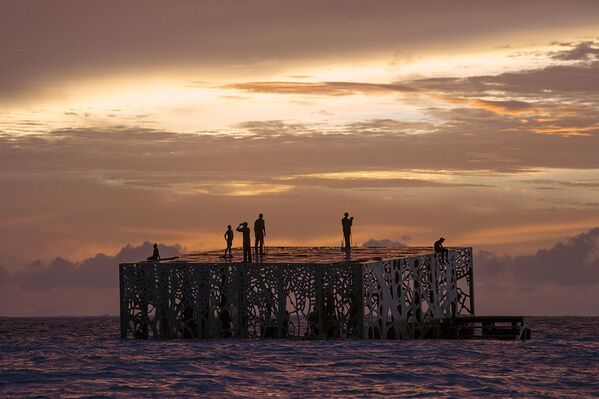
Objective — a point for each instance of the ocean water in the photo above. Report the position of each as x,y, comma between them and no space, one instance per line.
84,357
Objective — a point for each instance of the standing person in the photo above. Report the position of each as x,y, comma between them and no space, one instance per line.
259,233
229,239
347,222
441,251
247,245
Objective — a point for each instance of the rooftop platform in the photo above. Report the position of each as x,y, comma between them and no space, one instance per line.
306,255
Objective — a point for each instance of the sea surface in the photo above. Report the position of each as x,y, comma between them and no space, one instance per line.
84,357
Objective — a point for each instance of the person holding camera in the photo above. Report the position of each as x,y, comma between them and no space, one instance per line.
247,245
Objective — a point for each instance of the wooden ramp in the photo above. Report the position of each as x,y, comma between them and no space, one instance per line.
485,327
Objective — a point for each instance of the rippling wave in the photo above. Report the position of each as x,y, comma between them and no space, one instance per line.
80,357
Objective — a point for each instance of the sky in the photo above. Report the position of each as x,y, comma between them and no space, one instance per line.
123,123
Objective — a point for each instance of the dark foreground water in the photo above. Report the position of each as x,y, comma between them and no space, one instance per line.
83,357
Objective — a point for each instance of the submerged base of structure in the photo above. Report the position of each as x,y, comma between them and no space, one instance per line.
311,293
484,327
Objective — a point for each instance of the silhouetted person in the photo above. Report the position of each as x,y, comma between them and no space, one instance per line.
247,245
440,250
229,239
259,233
155,253
347,222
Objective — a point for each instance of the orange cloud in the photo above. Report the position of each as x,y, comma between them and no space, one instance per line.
566,131
509,108
524,233
319,88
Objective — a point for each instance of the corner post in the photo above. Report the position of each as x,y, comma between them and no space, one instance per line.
123,302
471,279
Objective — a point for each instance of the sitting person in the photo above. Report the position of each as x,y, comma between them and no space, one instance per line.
155,254
441,251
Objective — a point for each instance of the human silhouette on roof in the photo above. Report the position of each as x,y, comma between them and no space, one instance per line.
259,233
440,250
229,239
347,223
155,253
247,246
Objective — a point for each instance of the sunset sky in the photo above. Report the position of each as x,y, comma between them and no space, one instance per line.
130,121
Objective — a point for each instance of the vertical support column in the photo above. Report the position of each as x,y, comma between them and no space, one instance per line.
320,299
163,299
203,303
471,278
417,305
282,297
433,294
123,302
144,280
188,320
452,283
358,303
223,325
241,302
404,270
195,281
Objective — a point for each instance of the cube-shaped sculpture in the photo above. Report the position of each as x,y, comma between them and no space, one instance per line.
318,293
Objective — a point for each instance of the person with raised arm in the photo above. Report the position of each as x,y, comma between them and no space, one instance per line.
247,246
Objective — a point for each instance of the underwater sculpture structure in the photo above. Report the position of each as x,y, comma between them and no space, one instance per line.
307,292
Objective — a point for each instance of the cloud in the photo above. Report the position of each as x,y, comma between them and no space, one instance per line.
319,88
546,81
581,51
372,243
561,183
65,288
96,272
153,157
573,262
503,107
555,99
563,279
183,188
274,127
68,41
4,277
389,127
